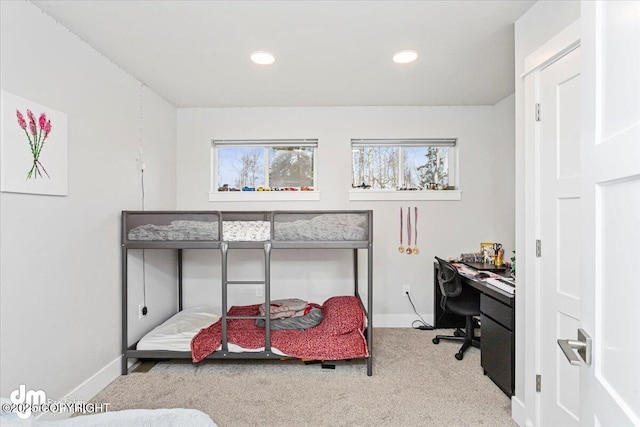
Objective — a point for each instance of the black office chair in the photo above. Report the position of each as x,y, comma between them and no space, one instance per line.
459,300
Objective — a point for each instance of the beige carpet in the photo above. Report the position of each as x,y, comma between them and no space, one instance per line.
414,383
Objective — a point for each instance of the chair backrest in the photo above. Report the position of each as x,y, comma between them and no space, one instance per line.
448,281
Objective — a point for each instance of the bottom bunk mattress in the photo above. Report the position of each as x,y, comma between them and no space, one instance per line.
339,335
176,333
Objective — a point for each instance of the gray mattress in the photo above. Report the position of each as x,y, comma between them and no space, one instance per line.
320,227
323,227
177,230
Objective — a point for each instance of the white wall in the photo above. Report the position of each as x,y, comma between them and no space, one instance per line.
540,23
503,173
447,228
60,256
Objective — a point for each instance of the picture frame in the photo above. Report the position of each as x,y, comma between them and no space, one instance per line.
488,247
33,147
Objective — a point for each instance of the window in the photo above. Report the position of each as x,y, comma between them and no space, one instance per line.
248,165
403,164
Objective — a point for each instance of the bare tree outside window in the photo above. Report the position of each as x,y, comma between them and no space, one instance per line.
375,166
250,171
241,166
379,167
266,165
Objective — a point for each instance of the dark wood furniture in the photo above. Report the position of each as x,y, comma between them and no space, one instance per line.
497,318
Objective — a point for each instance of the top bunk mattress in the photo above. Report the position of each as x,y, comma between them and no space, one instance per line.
321,227
170,226
176,230
288,226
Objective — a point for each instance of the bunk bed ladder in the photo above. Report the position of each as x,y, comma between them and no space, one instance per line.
224,248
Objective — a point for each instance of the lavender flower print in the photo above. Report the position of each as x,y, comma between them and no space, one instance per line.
37,134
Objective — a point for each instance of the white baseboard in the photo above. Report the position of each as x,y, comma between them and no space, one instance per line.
89,388
398,320
94,384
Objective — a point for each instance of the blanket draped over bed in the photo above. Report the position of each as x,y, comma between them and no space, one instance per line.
338,336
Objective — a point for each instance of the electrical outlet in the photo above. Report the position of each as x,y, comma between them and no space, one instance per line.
406,290
259,290
141,311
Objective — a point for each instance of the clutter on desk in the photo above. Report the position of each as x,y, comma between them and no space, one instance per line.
491,255
499,259
490,252
472,257
486,248
504,283
465,270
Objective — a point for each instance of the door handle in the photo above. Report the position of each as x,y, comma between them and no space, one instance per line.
582,345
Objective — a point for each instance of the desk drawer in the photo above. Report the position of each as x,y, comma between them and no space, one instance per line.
497,354
499,312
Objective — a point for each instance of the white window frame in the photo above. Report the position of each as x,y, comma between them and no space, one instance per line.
215,195
421,194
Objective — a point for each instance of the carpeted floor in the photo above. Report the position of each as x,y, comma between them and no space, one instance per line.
414,383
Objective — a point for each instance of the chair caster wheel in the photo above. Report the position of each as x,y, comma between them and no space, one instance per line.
459,356
457,333
436,340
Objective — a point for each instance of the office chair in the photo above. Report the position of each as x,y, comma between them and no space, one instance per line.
458,300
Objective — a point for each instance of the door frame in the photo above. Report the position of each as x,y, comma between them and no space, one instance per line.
529,301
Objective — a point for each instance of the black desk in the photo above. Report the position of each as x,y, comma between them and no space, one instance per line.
497,343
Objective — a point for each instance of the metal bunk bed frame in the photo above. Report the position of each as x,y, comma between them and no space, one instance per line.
224,246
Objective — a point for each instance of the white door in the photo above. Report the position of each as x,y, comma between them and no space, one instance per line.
560,234
610,309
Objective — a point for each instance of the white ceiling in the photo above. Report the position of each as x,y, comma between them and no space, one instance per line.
196,53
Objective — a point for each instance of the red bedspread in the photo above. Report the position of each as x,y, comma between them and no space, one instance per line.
338,336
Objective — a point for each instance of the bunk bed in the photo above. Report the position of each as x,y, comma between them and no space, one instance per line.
266,230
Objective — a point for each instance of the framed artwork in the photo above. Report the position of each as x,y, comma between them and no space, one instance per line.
33,148
486,249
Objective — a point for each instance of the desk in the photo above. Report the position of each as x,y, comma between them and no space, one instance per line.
497,318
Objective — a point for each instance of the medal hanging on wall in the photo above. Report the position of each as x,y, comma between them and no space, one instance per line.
401,247
409,251
415,217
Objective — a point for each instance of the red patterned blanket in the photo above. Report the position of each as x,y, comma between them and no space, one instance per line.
338,336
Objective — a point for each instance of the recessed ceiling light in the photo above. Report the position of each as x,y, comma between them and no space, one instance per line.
405,56
263,58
